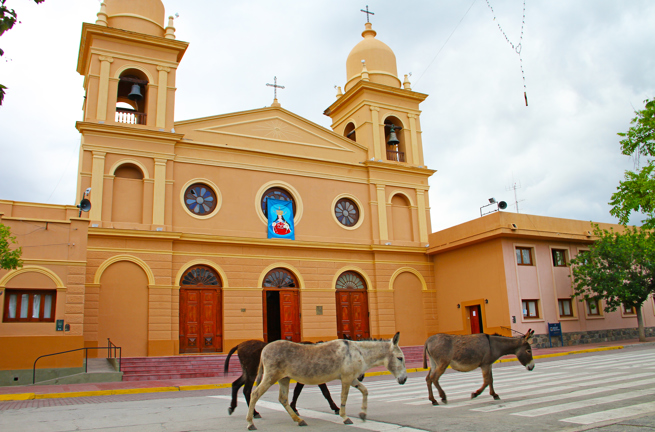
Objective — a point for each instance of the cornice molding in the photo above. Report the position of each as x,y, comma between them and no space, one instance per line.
113,129
375,87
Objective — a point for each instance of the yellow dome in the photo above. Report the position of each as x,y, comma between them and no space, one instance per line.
142,16
379,58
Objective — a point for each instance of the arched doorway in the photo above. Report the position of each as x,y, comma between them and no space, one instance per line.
201,307
352,307
409,304
281,306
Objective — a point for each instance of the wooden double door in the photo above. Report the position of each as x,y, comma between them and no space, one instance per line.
281,305
201,307
352,315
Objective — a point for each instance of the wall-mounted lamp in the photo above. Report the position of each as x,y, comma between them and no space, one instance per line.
458,306
486,301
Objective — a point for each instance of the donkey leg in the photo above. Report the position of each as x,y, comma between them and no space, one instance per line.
359,386
284,400
236,385
345,386
265,384
435,380
428,380
485,383
247,389
296,394
488,377
328,397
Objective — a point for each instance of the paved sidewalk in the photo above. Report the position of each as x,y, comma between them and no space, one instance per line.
31,392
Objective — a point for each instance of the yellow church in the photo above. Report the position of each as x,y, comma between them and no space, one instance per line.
175,256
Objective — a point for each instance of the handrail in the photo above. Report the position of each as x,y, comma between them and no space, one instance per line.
109,347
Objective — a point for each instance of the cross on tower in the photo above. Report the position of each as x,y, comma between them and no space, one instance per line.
367,13
275,87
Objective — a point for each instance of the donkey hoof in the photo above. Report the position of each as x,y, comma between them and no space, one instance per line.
257,415
445,401
302,423
337,411
474,395
434,402
347,421
496,397
252,427
230,410
362,415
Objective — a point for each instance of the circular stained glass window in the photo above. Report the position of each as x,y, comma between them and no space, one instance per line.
200,199
350,280
277,194
346,212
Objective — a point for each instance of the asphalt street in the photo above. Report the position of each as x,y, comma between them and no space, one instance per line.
605,391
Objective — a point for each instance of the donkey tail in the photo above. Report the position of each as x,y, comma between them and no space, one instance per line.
425,359
227,360
260,372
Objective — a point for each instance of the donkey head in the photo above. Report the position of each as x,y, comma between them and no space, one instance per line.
524,351
395,361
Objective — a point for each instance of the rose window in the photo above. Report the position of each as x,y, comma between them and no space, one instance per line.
350,280
200,199
346,212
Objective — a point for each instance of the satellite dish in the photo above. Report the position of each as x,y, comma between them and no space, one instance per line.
502,205
84,205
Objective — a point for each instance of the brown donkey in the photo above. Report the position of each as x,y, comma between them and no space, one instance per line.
467,352
249,353
339,359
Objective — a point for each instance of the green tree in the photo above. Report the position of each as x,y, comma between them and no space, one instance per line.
8,18
636,193
619,268
9,259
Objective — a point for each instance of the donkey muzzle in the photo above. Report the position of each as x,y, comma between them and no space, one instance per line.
530,365
402,380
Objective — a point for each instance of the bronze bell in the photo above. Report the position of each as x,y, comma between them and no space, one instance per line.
393,139
135,94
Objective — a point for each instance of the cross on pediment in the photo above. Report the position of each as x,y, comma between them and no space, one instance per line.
275,87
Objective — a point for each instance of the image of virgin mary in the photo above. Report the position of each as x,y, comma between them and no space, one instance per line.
280,225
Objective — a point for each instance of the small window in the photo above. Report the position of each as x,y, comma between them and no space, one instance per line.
559,258
565,307
200,199
30,305
524,256
350,280
593,307
347,212
278,194
280,278
628,310
530,309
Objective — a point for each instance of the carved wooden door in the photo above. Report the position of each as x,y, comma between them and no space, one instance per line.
290,315
201,327
352,307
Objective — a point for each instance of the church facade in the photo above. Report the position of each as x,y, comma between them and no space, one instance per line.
174,255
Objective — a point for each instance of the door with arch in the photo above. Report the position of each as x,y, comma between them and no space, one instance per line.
352,307
201,311
281,306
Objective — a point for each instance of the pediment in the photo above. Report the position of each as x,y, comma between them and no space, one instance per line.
271,130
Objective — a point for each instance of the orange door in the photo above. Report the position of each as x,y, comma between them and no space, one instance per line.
290,315
352,315
200,321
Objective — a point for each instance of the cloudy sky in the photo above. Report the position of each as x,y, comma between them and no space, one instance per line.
588,65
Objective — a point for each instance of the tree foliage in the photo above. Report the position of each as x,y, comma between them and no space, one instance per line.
9,259
619,268
8,18
636,193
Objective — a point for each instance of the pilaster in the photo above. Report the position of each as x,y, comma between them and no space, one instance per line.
375,120
162,89
422,216
159,195
97,183
414,139
382,212
103,87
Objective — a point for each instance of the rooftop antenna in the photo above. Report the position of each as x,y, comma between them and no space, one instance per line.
514,187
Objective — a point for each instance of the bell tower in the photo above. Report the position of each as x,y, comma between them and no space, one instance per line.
129,61
382,113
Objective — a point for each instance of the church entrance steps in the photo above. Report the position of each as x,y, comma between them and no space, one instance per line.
204,366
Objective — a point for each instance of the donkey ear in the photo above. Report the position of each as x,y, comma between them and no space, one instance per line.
528,334
395,339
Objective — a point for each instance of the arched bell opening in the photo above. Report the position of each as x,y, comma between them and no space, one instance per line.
394,139
281,306
349,132
352,306
132,97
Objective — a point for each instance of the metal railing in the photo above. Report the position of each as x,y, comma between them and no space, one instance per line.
397,156
111,347
129,116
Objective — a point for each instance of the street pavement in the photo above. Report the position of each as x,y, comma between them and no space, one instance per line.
606,389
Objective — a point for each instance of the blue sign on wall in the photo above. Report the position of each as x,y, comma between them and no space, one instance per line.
555,329
280,219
